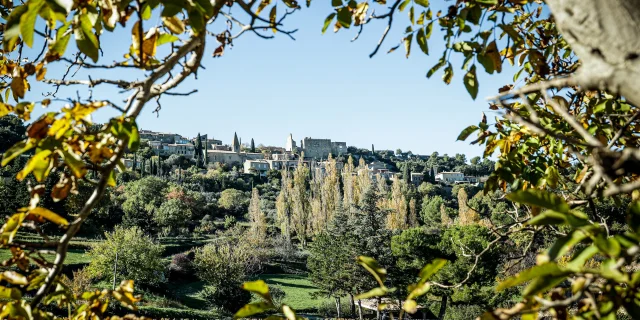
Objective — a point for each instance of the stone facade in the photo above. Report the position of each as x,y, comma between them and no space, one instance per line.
230,157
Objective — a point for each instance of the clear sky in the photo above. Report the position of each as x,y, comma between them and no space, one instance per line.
321,86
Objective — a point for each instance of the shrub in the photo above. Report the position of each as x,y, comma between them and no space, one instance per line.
230,297
79,283
229,222
139,257
181,266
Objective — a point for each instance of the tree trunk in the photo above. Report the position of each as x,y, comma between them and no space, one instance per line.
604,35
338,306
353,306
443,307
360,309
378,310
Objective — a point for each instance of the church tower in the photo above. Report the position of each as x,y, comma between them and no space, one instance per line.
236,144
291,145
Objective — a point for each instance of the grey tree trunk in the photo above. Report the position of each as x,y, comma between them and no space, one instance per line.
360,309
353,306
443,307
338,306
604,35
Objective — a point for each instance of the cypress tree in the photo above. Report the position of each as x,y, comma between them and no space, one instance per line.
253,146
405,173
206,151
373,150
433,175
198,147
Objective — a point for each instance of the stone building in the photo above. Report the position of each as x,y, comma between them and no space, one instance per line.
316,148
234,155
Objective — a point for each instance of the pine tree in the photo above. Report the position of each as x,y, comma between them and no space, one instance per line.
257,218
253,146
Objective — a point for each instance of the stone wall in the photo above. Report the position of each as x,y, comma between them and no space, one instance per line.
316,148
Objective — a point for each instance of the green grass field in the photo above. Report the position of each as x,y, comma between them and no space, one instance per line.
297,288
74,256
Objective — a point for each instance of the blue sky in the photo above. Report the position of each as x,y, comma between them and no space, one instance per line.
321,86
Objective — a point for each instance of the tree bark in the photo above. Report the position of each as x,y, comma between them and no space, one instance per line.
360,309
353,306
443,308
604,35
338,306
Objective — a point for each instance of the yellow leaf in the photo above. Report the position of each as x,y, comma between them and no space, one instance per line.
14,278
18,87
174,24
40,71
49,215
259,287
288,312
11,227
5,109
410,306
39,164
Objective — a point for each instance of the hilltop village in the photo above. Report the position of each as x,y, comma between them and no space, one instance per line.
311,152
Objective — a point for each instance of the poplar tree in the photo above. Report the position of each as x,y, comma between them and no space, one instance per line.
257,218
348,186
300,202
397,217
283,206
363,181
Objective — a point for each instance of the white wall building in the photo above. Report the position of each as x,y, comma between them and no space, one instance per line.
185,149
256,166
450,177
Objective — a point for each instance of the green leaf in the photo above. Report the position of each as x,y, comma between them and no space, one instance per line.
166,38
580,258
75,164
111,181
471,82
540,198
488,2
344,17
609,270
12,28
407,44
134,137
371,265
10,293
336,3
435,68
543,284
564,244
253,308
28,21
86,41
403,5
196,20
448,74
548,217
466,132
59,45
424,3
327,22
16,150
258,287
49,215
421,39
609,246
428,30
375,292
431,269
543,270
